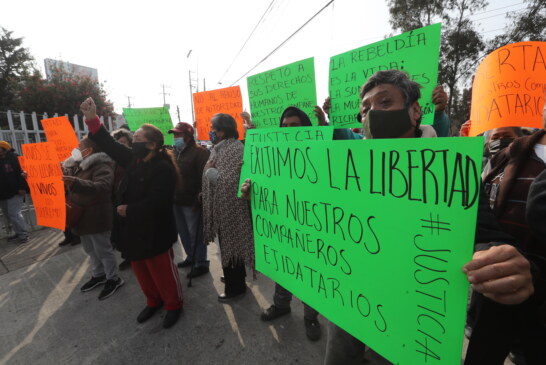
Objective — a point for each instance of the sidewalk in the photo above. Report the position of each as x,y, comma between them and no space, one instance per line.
47,320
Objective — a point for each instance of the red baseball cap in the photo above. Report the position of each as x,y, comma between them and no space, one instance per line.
182,128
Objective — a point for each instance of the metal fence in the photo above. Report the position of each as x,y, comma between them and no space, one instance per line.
18,128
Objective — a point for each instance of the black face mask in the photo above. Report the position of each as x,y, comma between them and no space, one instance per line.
139,149
386,123
498,145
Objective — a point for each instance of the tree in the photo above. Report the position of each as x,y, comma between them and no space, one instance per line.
61,93
462,45
530,25
15,62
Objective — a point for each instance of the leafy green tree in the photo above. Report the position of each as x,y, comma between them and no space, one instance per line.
61,93
529,25
15,63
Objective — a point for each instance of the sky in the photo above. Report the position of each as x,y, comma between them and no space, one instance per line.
138,46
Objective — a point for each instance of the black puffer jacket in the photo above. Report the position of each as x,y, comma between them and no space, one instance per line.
11,180
148,190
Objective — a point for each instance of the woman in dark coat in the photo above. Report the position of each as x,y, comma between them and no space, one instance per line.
144,227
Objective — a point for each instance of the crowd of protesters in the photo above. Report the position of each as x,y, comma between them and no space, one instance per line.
140,197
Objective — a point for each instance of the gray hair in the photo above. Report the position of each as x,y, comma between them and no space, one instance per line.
410,89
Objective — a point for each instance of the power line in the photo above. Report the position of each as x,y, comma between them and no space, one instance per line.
503,7
516,11
283,42
250,36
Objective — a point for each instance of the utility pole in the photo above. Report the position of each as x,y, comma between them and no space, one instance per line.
191,98
204,85
129,101
178,113
164,93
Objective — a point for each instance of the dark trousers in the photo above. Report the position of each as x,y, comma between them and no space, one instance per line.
234,276
498,329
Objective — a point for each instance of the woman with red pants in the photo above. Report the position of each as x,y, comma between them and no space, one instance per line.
144,227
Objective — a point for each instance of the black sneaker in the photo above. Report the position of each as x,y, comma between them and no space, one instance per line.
110,288
147,313
171,318
24,240
13,238
185,263
312,329
198,271
274,312
93,283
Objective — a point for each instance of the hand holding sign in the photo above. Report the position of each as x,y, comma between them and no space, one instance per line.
439,98
88,108
502,274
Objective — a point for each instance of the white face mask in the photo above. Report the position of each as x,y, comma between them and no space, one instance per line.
77,155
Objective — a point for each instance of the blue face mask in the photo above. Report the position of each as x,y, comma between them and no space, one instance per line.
213,137
179,143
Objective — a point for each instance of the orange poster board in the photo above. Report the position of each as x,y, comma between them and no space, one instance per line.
509,88
44,177
208,103
60,132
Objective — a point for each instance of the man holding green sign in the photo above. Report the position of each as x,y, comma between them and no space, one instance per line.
408,321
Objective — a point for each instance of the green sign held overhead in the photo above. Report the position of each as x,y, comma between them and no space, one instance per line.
289,134
416,52
273,91
372,234
159,117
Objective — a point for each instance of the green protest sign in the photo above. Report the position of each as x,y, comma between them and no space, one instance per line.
160,117
416,52
273,91
372,234
289,134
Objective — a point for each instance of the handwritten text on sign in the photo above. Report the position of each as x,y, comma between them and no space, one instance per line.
209,103
372,234
416,52
159,117
288,134
60,132
273,91
44,177
509,88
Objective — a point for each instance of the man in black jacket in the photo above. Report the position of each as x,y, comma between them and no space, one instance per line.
13,188
498,272
191,160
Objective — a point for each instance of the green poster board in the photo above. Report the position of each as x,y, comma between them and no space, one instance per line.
273,91
416,52
288,134
373,234
160,117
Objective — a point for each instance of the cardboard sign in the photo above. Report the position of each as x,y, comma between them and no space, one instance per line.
159,117
288,134
372,234
45,179
416,52
60,132
271,92
509,88
208,103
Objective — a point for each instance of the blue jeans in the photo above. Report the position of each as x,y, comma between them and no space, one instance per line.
188,223
11,208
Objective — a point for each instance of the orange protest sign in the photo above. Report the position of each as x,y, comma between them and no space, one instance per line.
508,88
60,132
208,103
44,177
